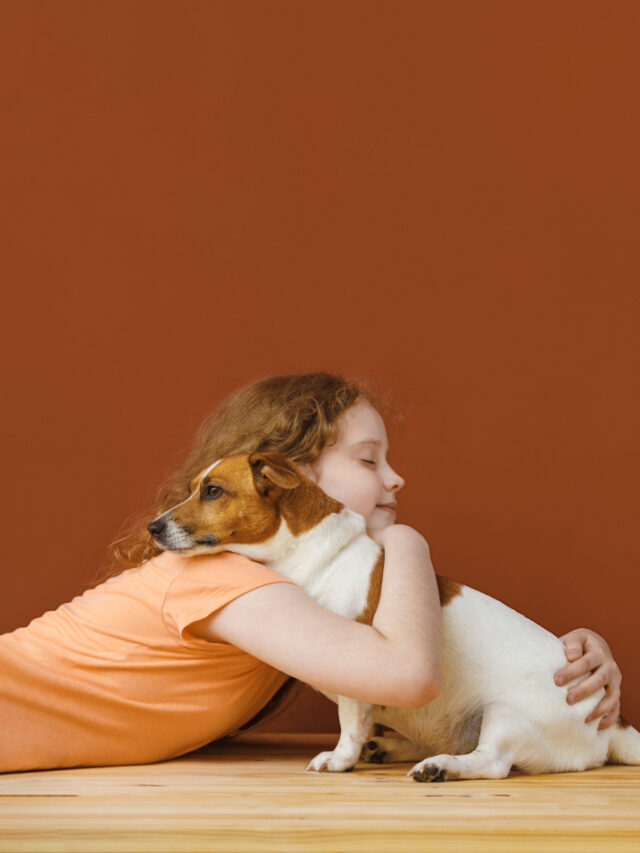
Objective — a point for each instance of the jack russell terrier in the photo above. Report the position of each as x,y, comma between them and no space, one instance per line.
498,707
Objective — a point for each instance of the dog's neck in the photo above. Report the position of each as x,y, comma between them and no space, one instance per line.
303,555
318,548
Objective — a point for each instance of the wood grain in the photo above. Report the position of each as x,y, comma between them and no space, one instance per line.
251,793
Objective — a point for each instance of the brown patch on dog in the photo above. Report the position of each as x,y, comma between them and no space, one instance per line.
373,596
306,507
447,589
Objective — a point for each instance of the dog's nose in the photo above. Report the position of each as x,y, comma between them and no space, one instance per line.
157,527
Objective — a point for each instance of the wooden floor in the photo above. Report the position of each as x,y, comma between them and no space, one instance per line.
252,793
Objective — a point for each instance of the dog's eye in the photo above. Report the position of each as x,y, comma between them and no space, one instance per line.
213,492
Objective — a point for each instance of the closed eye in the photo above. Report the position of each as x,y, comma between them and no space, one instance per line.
370,461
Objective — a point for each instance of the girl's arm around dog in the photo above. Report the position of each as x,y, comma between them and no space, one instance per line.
413,626
394,661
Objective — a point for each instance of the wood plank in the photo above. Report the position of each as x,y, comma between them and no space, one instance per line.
251,793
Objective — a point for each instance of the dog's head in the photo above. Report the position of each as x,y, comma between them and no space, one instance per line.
236,501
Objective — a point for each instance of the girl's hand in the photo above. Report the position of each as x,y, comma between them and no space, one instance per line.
589,652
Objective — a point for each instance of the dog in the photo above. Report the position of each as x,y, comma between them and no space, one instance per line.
498,708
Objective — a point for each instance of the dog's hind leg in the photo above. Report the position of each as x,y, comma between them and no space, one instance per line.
387,750
501,729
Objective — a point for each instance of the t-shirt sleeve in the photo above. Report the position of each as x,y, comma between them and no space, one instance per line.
205,584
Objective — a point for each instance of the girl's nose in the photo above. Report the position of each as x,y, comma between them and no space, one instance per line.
394,481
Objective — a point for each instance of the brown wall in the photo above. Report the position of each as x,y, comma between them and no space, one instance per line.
440,196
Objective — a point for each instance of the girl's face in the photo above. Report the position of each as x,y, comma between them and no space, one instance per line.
355,470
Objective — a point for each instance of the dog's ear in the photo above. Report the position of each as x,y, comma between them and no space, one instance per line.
276,468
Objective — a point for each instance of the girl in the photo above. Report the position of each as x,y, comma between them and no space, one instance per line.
171,652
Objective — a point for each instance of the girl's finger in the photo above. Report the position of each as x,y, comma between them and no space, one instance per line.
597,654
577,637
615,678
573,670
573,651
606,706
609,720
586,687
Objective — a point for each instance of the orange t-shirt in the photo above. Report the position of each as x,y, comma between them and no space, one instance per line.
114,677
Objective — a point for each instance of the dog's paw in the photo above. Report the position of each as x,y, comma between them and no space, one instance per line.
374,752
431,770
332,761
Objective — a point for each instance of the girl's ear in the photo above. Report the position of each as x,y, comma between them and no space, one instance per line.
276,468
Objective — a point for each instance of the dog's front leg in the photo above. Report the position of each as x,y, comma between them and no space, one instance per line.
355,730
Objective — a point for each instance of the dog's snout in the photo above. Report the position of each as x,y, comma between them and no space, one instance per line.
157,527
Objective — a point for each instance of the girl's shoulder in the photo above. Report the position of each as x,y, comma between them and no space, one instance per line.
201,585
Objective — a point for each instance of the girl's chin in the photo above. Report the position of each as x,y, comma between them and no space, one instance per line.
381,523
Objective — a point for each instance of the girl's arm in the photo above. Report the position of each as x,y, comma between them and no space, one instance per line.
395,661
587,652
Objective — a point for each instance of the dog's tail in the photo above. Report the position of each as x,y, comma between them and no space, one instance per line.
624,746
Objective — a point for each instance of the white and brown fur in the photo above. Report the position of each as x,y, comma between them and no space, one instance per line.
498,707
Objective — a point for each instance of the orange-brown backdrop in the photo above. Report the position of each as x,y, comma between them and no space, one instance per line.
442,197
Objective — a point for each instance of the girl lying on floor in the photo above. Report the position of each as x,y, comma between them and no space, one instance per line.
171,652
